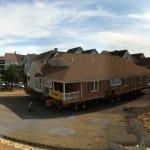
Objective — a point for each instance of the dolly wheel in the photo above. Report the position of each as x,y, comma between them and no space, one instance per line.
59,106
118,98
112,100
76,107
83,106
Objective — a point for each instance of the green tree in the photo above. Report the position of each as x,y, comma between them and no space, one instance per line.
13,74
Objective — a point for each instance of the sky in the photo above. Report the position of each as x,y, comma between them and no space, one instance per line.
36,26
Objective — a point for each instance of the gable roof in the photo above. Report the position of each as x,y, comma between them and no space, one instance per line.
74,50
36,68
10,56
118,52
138,55
20,57
31,56
90,51
93,67
44,56
144,62
105,52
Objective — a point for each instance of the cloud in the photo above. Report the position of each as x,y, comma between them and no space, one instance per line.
39,49
84,14
134,42
142,16
40,19
28,20
40,25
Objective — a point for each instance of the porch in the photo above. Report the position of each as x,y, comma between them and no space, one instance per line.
70,95
65,91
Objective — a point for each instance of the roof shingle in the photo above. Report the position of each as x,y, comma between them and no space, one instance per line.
93,67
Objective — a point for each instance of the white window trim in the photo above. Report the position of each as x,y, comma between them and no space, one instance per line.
141,79
39,84
125,81
95,90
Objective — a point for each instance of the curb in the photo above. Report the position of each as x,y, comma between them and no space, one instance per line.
37,145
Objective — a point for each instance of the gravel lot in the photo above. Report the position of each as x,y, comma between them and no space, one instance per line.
100,126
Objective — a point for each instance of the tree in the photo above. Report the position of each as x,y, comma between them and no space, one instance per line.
13,74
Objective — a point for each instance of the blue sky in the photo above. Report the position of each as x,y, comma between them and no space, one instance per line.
35,26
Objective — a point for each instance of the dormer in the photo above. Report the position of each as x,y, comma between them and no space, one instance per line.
58,62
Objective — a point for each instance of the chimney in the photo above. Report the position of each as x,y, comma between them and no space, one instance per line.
55,49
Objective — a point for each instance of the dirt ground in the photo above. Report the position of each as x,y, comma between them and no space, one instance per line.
9,145
13,93
5,147
104,117
145,119
5,144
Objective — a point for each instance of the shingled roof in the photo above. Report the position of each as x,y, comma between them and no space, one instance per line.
44,56
10,56
144,62
31,56
118,52
20,57
90,51
138,55
95,67
74,50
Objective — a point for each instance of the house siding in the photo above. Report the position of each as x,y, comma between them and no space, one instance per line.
87,94
133,84
72,87
128,57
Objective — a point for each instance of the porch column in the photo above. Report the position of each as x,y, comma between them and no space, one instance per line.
53,85
64,91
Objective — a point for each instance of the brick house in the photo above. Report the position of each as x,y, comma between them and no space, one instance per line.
67,79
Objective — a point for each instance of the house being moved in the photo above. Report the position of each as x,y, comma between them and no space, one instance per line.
72,79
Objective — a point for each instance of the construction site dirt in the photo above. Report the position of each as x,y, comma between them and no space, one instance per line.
121,125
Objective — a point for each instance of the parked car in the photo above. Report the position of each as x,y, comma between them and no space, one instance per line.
20,85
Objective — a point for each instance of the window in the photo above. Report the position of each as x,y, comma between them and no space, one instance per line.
94,85
38,83
141,79
125,81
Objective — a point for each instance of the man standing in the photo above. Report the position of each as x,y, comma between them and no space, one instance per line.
29,106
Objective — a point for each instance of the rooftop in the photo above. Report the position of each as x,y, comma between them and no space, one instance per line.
118,52
103,66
